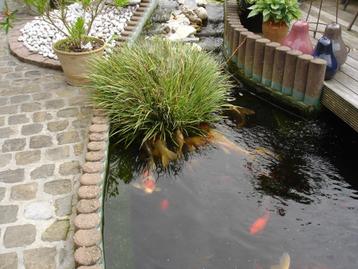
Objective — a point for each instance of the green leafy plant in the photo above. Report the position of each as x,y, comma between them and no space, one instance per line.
7,18
155,90
276,10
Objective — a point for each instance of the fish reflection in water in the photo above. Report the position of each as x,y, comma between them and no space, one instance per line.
284,262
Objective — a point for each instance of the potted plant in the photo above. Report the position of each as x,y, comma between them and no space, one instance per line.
277,16
253,23
77,47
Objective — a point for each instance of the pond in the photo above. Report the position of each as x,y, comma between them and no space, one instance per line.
285,185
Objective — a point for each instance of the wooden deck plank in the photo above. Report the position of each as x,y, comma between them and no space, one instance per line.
349,71
347,81
342,91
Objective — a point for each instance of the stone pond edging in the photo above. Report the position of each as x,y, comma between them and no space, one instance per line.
88,221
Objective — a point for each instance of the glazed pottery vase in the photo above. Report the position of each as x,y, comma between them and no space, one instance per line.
275,31
253,24
298,38
324,50
334,33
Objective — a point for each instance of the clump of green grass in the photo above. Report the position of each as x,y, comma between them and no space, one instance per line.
156,88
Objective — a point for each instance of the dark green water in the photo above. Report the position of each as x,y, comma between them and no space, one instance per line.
201,214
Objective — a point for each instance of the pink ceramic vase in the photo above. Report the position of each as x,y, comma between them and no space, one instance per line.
298,38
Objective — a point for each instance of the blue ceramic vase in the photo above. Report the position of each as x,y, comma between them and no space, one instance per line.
324,50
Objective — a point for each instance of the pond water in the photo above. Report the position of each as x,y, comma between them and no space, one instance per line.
295,193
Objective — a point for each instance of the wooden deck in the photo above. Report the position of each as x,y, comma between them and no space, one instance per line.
340,94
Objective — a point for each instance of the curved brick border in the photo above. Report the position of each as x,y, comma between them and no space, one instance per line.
88,222
19,50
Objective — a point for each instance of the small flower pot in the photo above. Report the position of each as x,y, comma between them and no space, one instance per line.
275,31
75,64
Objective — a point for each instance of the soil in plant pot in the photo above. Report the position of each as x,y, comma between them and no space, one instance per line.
67,46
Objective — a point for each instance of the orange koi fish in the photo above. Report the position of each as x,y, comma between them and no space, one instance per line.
164,204
147,184
259,224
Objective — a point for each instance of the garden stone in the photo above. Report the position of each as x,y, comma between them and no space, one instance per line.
43,171
87,238
63,206
68,112
2,193
97,136
40,141
19,98
57,231
55,104
69,168
201,3
41,116
57,187
5,159
86,206
12,176
8,261
4,110
24,191
201,13
40,258
38,211
15,144
19,236
18,119
59,153
6,132
8,213
57,126
2,121
78,149
87,256
87,221
31,129
27,157
68,137
31,107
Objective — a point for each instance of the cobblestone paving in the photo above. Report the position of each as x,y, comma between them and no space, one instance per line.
43,127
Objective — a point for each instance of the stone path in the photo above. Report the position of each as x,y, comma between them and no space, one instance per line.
43,127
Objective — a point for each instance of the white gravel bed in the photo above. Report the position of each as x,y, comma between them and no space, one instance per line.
38,35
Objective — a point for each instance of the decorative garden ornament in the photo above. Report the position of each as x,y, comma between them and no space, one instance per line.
333,31
298,38
324,50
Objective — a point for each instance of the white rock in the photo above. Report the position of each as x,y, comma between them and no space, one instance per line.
201,13
182,32
134,2
39,211
201,3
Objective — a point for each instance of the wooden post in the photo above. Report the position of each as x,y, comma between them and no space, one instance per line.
230,31
278,67
259,58
268,63
235,41
315,78
299,85
249,54
289,72
241,53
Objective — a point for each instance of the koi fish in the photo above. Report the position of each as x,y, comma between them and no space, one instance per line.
179,140
259,224
147,184
164,204
161,151
238,114
284,262
225,143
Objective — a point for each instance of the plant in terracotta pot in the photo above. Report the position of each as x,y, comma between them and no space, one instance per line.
77,47
277,16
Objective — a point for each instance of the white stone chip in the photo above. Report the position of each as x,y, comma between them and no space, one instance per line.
39,211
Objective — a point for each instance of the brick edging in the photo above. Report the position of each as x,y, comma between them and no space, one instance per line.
88,239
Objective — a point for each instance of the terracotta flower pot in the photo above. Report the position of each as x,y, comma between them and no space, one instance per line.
275,31
75,64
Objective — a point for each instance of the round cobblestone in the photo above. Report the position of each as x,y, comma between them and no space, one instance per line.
88,206
87,221
88,192
95,146
98,128
92,167
87,238
90,179
87,255
93,156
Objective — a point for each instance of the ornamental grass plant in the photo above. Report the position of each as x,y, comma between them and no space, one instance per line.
157,93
